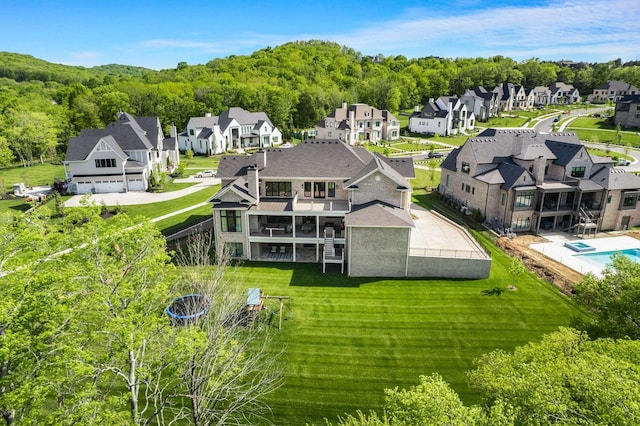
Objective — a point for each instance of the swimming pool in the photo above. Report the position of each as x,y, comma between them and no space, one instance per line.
603,258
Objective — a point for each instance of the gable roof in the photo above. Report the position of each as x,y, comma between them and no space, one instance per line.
378,214
616,179
625,103
127,133
317,158
616,86
380,166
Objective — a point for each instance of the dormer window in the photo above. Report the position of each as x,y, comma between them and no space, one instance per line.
466,167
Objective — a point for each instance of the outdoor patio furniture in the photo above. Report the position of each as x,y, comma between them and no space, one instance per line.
283,249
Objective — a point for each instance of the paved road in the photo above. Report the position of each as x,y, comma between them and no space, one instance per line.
143,197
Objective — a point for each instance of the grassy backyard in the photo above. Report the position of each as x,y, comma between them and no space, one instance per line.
347,339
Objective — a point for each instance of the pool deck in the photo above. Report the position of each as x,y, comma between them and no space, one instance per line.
556,250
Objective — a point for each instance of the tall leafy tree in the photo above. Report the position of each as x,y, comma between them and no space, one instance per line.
613,299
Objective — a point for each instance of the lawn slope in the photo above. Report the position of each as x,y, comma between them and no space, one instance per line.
348,339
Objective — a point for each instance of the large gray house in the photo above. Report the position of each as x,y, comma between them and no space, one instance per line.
530,181
121,157
328,202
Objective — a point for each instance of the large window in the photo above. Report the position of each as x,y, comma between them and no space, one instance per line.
231,220
278,189
521,223
307,189
233,249
578,171
524,199
105,162
331,186
466,167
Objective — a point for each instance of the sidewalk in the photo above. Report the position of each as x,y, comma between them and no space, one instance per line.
142,197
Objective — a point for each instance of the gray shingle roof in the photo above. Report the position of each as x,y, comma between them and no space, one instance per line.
616,179
378,214
128,133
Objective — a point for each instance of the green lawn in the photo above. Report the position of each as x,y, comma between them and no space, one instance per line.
160,209
181,221
426,178
591,123
200,162
36,175
605,136
506,122
347,339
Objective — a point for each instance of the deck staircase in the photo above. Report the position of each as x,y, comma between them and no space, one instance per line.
329,247
329,255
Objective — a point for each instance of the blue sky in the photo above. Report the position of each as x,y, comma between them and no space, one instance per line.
159,34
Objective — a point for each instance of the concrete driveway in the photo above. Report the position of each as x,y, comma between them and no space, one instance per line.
143,197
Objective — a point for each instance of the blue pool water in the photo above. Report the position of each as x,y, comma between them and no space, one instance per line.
603,258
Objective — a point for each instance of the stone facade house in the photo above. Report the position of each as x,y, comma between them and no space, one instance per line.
541,95
447,115
612,91
120,157
530,181
627,112
481,102
324,201
563,93
358,123
233,130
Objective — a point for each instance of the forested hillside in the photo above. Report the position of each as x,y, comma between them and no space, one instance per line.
296,84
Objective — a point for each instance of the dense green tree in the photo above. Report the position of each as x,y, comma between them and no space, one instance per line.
613,299
566,379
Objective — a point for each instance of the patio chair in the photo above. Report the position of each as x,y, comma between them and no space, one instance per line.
283,249
274,249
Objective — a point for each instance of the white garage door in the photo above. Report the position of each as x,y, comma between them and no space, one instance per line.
136,184
84,187
112,185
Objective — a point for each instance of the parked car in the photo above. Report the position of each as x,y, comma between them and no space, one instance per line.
436,155
623,162
206,173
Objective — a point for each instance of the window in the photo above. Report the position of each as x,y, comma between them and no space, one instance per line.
394,133
467,188
191,132
231,220
447,181
331,187
377,124
105,162
246,129
524,199
307,189
462,187
278,189
629,201
318,190
521,223
234,249
361,125
578,171
473,190
503,199
466,167
368,124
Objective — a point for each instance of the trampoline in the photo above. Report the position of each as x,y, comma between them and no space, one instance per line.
186,309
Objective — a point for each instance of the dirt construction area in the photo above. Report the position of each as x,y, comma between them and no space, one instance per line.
548,269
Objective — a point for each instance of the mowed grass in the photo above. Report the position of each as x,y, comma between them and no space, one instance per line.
36,175
347,339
